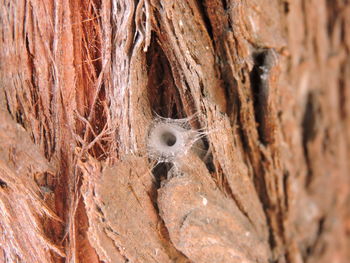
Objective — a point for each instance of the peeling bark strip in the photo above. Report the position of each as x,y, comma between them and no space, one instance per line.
82,82
124,222
206,225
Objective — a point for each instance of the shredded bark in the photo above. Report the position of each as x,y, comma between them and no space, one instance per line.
81,83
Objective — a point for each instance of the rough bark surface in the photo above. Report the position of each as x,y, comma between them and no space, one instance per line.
81,83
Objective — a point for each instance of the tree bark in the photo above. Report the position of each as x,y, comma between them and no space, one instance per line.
266,84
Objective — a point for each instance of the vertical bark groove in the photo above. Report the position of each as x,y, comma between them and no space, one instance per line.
81,83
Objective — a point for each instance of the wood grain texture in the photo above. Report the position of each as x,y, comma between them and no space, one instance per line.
81,83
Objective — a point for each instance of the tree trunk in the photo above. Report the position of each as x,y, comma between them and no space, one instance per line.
261,87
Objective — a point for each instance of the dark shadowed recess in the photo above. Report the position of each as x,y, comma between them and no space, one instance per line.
3,184
263,62
165,98
163,95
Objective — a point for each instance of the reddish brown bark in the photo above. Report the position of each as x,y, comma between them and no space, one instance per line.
81,83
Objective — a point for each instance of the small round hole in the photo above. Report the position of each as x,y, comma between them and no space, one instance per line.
168,139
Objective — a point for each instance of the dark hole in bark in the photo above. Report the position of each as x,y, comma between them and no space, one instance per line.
260,89
3,184
169,138
286,7
309,126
